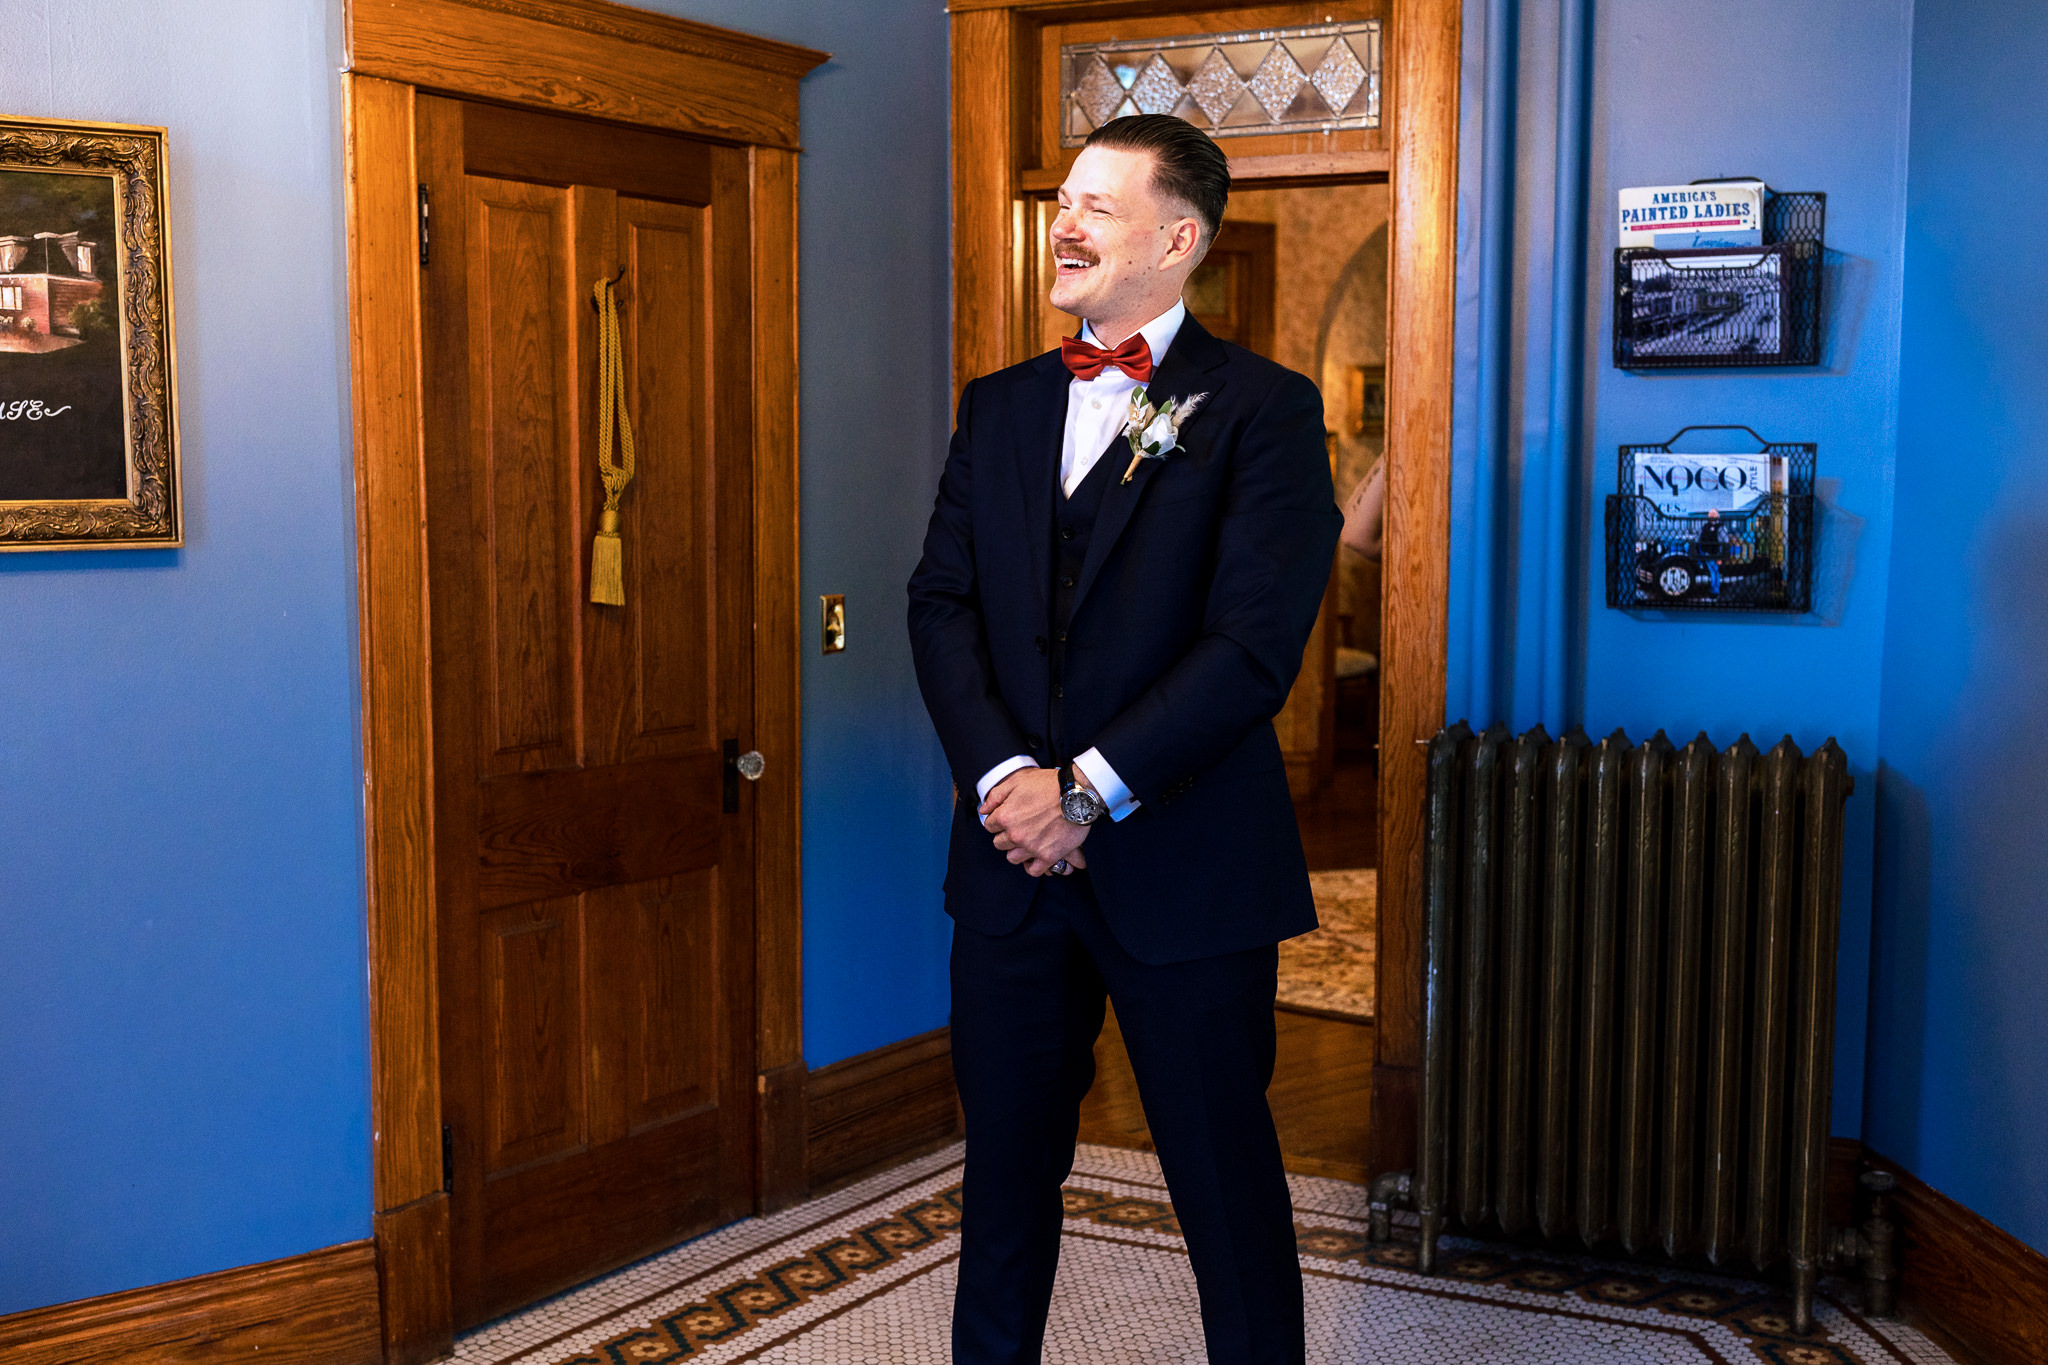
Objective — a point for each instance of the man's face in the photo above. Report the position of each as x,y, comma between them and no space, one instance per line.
1120,251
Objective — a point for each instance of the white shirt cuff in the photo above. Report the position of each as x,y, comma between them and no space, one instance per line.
1107,784
998,773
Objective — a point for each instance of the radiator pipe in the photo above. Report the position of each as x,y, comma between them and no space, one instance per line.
1388,1189
1869,1247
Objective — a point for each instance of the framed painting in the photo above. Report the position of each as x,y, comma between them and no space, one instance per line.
88,422
1368,400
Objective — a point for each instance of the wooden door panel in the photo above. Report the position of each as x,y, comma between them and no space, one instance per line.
672,1069
576,829
532,984
520,412
523,144
541,1221
666,251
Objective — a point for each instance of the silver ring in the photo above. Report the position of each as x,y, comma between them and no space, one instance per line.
1061,868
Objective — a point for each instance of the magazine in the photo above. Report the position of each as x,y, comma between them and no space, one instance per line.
1693,485
1707,302
1676,217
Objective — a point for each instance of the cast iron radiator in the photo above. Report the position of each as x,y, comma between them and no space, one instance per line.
1629,1001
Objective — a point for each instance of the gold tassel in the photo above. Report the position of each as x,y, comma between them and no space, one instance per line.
607,552
607,563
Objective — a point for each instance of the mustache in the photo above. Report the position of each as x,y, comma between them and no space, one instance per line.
1081,254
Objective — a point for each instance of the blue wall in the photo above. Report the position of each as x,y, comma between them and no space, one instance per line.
182,1022
877,410
1959,1057
183,1083
1566,102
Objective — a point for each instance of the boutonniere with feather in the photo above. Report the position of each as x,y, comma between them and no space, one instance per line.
1153,429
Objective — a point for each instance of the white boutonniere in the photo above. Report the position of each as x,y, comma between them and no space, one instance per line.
1153,429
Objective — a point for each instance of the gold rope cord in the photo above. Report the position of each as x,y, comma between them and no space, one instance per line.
607,558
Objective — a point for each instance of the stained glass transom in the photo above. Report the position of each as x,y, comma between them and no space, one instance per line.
1293,80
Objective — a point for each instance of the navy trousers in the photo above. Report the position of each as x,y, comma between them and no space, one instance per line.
1027,1006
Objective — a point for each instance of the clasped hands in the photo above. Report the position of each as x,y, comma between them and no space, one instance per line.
1023,813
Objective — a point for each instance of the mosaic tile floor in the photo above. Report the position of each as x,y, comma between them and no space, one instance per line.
866,1276
1331,967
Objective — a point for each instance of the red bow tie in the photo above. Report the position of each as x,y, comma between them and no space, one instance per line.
1134,357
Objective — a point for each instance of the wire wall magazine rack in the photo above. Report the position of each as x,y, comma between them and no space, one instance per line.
1720,307
1712,532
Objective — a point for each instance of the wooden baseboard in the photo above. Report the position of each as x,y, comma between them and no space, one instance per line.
878,1108
1971,1280
316,1309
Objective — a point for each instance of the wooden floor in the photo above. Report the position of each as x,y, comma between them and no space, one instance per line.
1322,1078
1340,823
1322,1083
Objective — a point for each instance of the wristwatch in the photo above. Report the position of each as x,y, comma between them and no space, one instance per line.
1080,805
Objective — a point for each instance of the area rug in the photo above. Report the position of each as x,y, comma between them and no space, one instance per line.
1331,969
866,1276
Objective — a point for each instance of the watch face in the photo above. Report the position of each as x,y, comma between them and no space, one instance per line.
1081,806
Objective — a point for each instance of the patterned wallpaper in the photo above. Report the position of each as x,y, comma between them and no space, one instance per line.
1330,315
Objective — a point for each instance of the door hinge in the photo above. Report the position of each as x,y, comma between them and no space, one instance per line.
447,1159
426,234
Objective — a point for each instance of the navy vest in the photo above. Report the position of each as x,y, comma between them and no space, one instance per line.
1073,526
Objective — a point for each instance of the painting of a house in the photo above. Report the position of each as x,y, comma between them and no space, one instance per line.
60,338
49,290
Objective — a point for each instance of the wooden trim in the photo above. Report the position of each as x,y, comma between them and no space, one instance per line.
391,557
1063,11
1423,56
599,60
1968,1278
587,57
319,1309
778,685
1368,164
874,1110
986,211
413,1284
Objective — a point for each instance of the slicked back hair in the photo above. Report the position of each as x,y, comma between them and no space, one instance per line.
1187,165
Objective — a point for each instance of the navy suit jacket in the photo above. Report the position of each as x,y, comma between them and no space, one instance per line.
1193,607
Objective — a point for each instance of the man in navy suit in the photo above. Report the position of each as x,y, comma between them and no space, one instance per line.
1104,629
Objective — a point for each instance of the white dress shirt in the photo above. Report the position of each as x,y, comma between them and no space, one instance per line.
1096,409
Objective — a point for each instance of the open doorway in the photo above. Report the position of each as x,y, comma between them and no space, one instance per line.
1029,78
1327,247
1299,275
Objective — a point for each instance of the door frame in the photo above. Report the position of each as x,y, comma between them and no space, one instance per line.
996,66
603,61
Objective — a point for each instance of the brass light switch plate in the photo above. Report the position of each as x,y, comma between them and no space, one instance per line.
832,622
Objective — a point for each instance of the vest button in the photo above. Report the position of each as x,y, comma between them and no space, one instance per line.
1039,644
1066,582
1061,636
1034,742
1058,691
1066,533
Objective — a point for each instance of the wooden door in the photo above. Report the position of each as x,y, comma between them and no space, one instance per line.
593,856
1232,292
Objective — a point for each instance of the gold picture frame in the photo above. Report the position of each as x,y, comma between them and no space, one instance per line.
88,360
1368,400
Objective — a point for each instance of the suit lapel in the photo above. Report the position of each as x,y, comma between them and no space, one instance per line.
1040,429
1189,368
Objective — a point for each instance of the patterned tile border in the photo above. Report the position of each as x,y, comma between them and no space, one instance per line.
756,1291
